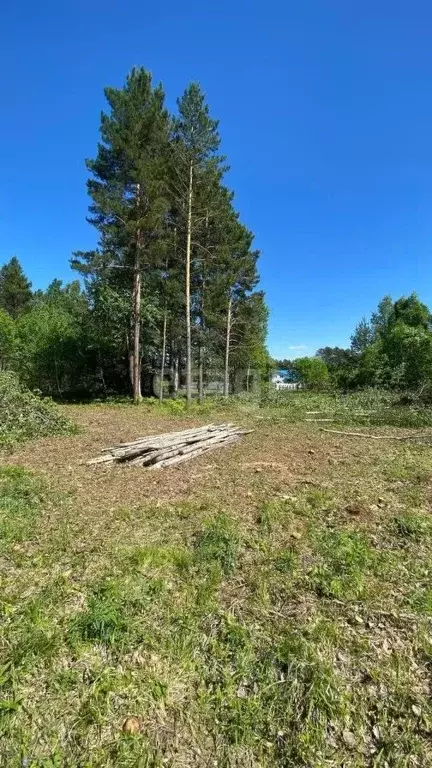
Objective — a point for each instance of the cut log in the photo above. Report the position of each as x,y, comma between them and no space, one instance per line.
156,441
193,454
169,435
163,450
105,459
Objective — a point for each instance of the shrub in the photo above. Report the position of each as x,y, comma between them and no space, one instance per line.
25,415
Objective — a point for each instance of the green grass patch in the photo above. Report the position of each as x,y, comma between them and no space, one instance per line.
21,498
412,526
344,562
284,632
218,544
366,408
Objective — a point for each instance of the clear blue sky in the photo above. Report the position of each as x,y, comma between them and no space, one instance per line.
325,110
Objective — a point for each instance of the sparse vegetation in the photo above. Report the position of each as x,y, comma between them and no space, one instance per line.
273,610
368,407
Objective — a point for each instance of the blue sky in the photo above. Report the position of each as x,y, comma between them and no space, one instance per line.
325,111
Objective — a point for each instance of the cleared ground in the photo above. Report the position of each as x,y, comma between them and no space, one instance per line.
266,605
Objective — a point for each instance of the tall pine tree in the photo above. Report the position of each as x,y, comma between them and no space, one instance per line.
15,289
130,197
199,169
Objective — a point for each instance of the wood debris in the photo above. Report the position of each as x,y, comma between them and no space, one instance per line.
425,436
158,451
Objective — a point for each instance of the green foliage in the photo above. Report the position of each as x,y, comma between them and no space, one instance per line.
25,415
411,526
393,349
368,407
52,340
77,344
15,289
194,130
7,340
399,352
312,372
341,364
362,337
343,570
134,136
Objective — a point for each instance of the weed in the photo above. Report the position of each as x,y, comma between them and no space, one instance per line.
218,544
345,559
411,526
104,620
286,561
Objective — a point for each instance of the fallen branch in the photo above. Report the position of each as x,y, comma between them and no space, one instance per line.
378,437
319,420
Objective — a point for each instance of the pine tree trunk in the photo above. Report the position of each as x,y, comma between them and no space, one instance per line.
188,279
136,316
136,355
130,353
201,351
162,372
227,348
201,373
248,377
176,375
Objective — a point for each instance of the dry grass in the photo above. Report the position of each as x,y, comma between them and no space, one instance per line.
270,606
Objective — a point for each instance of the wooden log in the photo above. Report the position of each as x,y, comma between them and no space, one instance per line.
150,443
149,458
158,449
154,443
164,435
197,452
167,435
180,450
101,460
138,450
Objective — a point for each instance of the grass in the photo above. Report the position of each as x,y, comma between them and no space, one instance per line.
240,613
370,407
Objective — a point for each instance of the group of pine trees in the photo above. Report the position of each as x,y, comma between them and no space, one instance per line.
171,286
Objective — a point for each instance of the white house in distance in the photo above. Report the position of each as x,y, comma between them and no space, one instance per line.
280,381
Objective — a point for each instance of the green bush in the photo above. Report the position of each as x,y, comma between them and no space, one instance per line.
25,415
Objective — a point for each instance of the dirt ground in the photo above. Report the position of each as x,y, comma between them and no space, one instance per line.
273,458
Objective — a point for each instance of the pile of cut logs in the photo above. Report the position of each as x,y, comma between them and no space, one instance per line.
158,451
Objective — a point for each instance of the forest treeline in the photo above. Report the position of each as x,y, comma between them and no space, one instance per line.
171,287
393,349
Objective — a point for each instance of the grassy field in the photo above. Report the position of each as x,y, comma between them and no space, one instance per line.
266,605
